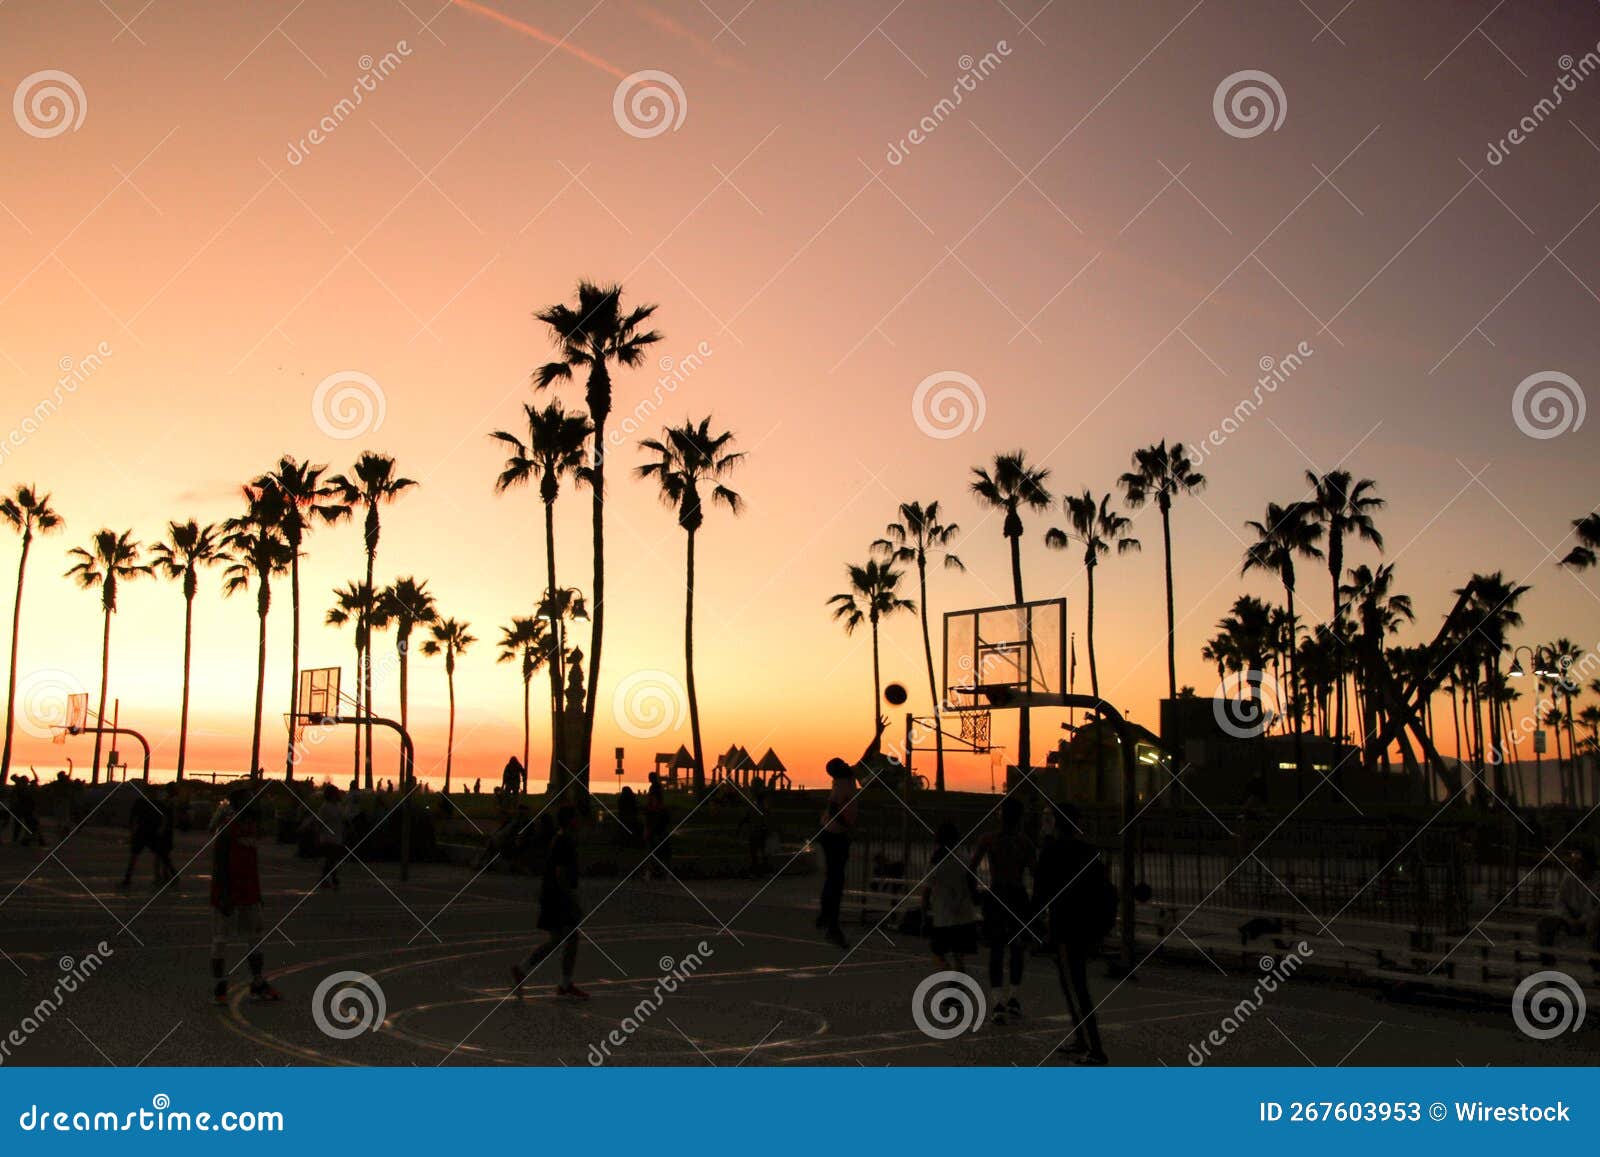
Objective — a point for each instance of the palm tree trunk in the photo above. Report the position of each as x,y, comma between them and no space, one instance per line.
100,712
1572,753
933,685
183,712
11,686
558,746
402,646
1294,700
1024,724
597,617
294,660
1338,691
688,660
877,684
527,722
262,606
355,768
1094,670
450,736
1172,630
366,654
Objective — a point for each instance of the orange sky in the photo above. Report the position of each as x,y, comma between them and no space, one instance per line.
1079,236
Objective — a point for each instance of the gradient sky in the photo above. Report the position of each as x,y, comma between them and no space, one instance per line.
1080,236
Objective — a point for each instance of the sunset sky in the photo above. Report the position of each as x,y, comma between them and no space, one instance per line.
1080,236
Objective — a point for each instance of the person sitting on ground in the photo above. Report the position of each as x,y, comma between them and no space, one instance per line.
947,898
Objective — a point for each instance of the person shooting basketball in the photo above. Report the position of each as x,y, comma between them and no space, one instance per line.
838,823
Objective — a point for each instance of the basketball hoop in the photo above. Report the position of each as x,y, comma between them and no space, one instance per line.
975,729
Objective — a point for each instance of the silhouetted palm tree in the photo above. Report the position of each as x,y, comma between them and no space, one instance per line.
921,529
1285,533
1162,473
1587,531
1490,615
871,598
371,483
406,604
555,447
27,512
353,606
1245,637
525,640
1009,485
255,541
1344,507
1097,528
451,638
592,336
691,463
188,547
111,559
307,500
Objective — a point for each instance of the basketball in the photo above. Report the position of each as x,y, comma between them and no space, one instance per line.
895,693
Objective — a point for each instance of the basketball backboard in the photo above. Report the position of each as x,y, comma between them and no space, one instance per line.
77,713
319,694
1006,656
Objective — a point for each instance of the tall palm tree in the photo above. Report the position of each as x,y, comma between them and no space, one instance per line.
1162,473
555,448
1009,485
1567,655
1245,637
691,463
110,559
1286,532
873,596
1344,507
918,530
406,604
259,551
594,335
1490,615
353,606
451,637
371,483
526,640
307,501
1097,528
1380,611
27,512
188,547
